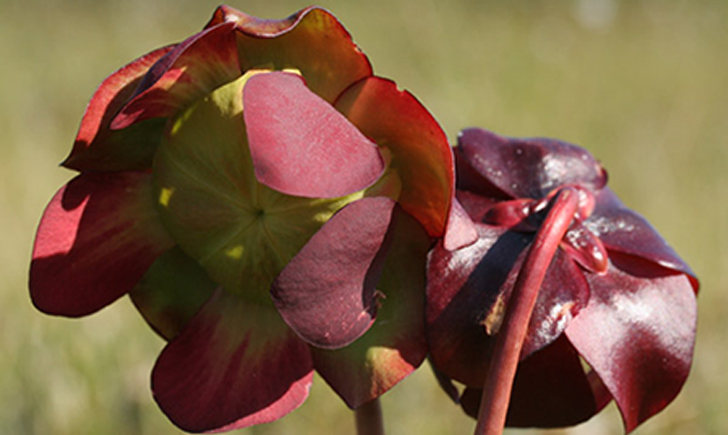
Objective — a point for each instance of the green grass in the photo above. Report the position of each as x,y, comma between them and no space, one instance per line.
641,84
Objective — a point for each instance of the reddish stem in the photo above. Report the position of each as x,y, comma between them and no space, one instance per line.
369,419
507,352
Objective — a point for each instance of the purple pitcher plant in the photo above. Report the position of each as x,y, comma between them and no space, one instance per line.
566,289
263,199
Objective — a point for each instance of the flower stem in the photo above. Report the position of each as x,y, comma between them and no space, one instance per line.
502,370
369,419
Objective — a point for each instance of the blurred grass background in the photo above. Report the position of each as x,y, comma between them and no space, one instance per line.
642,84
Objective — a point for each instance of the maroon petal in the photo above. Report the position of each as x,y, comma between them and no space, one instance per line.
468,292
97,148
98,236
191,70
465,302
529,168
235,365
326,293
395,345
300,144
174,288
550,390
638,335
623,230
564,293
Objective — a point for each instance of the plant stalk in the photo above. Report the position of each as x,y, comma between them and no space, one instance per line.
506,355
369,419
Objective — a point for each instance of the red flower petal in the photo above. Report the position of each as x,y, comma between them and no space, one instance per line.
235,365
326,293
312,41
97,148
395,345
550,390
421,155
191,70
300,144
468,292
174,288
464,303
529,168
98,236
460,231
638,334
621,229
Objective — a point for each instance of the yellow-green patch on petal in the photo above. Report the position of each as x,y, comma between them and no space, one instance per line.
240,231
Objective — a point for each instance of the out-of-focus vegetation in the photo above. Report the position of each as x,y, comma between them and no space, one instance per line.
642,84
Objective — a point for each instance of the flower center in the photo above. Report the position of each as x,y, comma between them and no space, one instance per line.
527,215
240,231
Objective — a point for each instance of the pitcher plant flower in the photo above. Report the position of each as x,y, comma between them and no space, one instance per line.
267,203
562,274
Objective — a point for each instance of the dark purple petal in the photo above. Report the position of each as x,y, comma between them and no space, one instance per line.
621,229
300,144
563,295
550,390
466,301
235,365
529,168
468,292
191,70
326,293
637,333
98,236
174,288
395,345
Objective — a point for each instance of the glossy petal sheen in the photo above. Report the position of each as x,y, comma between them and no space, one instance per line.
529,168
174,288
97,237
624,230
395,345
97,148
312,41
326,293
468,291
421,159
638,335
300,144
193,69
235,365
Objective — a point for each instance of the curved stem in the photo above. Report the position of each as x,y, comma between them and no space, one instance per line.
369,419
507,352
